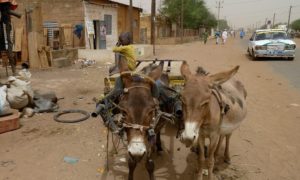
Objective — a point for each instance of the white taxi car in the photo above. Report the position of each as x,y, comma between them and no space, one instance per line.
271,43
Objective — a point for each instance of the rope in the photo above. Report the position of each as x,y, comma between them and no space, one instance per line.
132,87
135,126
218,96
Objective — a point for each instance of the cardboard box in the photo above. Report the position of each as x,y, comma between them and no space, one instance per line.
9,123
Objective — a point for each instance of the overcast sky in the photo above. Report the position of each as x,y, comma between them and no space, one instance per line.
243,13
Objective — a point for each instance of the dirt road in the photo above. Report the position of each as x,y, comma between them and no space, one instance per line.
266,146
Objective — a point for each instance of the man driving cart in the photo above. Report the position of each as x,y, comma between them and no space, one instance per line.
124,51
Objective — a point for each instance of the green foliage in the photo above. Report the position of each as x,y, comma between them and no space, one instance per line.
296,25
195,13
223,24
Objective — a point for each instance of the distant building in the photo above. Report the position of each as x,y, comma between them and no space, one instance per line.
282,26
100,21
163,28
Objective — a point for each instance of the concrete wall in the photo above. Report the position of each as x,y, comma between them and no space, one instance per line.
97,12
176,40
123,18
124,24
66,11
71,54
146,25
103,55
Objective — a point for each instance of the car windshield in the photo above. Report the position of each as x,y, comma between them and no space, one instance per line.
270,35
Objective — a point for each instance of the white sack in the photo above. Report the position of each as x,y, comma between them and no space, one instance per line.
4,105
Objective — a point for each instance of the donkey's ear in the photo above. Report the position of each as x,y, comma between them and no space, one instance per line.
222,77
126,79
156,72
185,70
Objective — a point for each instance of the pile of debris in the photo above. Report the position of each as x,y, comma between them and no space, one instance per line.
17,94
84,63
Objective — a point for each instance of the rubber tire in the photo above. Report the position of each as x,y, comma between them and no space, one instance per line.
291,58
248,52
253,56
56,116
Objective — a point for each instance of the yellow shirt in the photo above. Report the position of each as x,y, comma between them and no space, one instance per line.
128,52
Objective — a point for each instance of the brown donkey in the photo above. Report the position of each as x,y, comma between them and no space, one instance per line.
213,106
139,109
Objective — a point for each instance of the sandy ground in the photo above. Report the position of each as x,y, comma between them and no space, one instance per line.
265,147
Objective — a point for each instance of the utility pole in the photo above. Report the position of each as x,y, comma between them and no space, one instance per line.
273,20
266,21
288,26
181,23
130,20
219,7
153,14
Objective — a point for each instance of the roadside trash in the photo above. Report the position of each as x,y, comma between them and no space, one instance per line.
7,163
86,62
101,170
24,74
27,112
19,93
4,105
85,116
205,172
71,160
45,102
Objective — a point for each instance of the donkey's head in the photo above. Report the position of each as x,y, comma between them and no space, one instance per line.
198,109
138,108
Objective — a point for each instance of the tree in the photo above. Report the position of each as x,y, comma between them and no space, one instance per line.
195,13
296,25
223,24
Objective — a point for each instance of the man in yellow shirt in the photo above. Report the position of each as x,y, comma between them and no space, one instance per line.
124,50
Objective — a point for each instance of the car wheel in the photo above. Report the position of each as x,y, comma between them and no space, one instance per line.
248,52
253,56
291,58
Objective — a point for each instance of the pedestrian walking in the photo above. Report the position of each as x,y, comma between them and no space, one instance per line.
224,36
242,34
217,36
205,36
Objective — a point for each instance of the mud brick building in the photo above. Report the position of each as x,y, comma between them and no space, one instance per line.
67,24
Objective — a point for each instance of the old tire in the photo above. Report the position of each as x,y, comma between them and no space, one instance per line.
85,117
